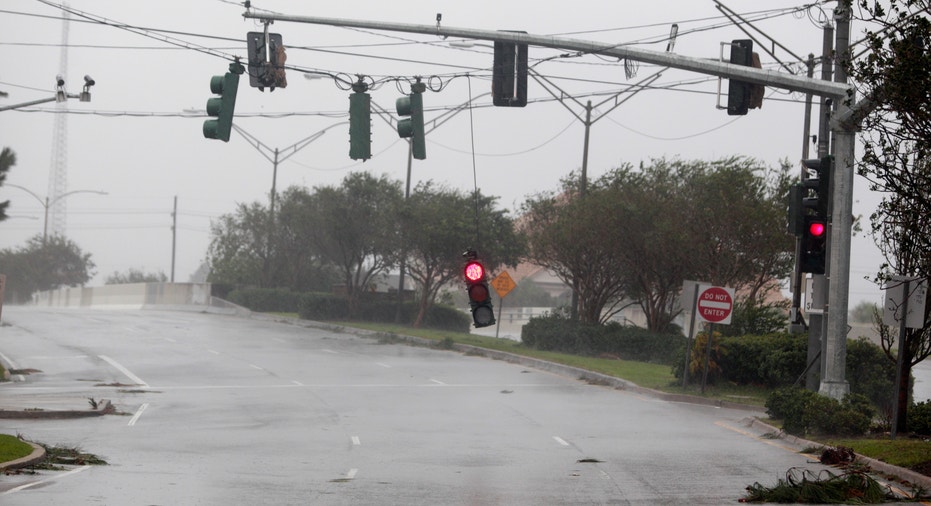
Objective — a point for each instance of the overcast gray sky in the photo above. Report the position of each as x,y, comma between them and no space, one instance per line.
136,142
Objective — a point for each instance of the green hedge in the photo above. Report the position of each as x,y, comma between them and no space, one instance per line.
805,412
331,307
919,418
558,333
266,300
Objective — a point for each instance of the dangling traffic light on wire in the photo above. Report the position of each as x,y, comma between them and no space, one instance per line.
222,107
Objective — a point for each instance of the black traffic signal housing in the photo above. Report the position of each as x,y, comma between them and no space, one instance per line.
741,95
509,75
223,106
266,60
816,194
412,126
360,122
483,312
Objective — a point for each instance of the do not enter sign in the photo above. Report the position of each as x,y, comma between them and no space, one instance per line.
715,304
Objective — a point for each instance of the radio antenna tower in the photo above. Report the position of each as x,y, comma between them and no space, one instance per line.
58,171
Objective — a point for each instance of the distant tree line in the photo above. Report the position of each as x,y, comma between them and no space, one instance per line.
632,239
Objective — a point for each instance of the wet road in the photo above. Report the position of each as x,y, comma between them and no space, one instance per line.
226,410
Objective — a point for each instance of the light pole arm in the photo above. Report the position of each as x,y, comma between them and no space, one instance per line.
27,190
36,102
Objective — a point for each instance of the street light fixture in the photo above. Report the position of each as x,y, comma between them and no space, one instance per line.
46,203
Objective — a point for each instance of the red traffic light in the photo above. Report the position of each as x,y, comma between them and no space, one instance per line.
474,272
816,229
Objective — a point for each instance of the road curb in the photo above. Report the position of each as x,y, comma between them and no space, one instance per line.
38,453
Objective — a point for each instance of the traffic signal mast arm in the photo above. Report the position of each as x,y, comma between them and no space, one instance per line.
668,59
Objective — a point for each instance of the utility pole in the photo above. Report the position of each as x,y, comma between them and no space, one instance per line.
174,236
834,355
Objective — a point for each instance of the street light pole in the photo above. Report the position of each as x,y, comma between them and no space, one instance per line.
46,203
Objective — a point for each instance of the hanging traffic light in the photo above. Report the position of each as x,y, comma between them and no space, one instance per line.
266,60
222,107
509,75
412,126
483,312
360,122
741,95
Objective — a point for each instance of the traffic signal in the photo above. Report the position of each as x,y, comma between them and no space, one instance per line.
816,187
266,60
814,246
483,313
360,123
222,107
412,126
817,183
741,95
509,75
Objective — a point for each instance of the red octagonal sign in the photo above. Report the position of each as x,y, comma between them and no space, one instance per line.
715,305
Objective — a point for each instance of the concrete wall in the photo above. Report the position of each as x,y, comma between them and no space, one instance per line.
134,295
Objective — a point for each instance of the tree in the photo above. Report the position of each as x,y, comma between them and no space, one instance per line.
638,234
298,262
355,227
895,77
44,264
238,246
134,275
441,224
7,161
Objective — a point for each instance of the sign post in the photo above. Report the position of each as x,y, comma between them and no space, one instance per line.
715,305
503,284
906,298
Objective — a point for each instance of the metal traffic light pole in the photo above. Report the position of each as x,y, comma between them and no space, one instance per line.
844,125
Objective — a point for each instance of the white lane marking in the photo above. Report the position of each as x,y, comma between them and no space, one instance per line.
125,371
135,418
326,350
438,382
170,340
560,440
50,478
386,366
298,383
215,352
356,441
9,362
351,474
256,367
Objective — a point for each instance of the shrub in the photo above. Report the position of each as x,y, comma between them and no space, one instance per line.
870,372
919,418
266,299
557,332
806,412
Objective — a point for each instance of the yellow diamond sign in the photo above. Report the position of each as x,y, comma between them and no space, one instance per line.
503,284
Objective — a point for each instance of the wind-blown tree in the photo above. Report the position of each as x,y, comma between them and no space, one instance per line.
894,76
298,263
638,234
355,227
7,161
238,247
44,264
566,235
440,224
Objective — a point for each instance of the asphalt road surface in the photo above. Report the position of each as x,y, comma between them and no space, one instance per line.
226,410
